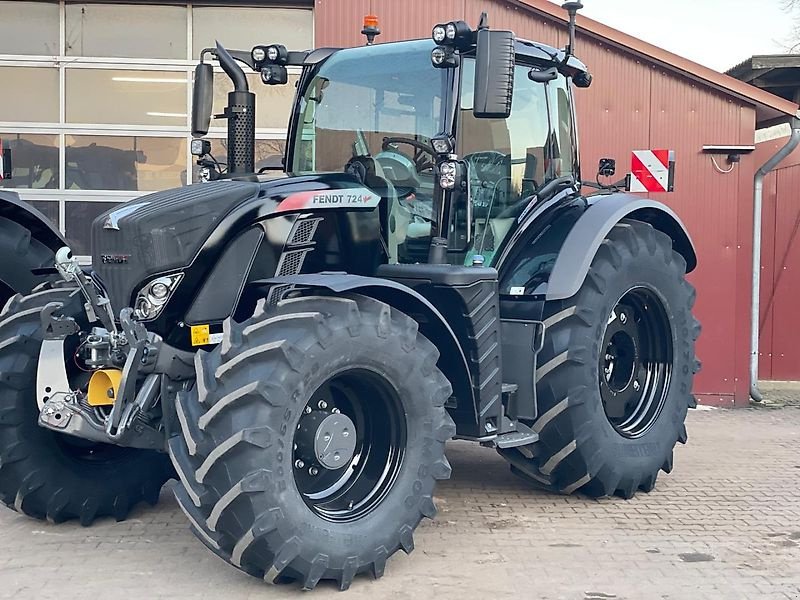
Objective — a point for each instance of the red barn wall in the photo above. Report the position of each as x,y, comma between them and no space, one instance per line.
631,105
780,267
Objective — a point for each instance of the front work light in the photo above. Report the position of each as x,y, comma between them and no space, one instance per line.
199,147
442,144
274,75
448,172
455,33
259,54
444,57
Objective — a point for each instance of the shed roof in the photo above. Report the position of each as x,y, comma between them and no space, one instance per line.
770,108
775,73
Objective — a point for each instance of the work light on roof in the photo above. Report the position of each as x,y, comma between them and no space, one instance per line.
454,33
259,54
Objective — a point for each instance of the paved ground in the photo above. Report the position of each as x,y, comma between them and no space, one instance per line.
725,524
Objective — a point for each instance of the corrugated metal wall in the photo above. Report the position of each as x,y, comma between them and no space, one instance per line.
631,105
780,267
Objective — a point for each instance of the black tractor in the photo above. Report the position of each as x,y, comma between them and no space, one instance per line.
300,345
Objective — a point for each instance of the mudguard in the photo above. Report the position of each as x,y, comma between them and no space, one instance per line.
41,228
432,325
584,239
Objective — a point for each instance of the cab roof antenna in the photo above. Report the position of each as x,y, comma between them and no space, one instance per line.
483,23
572,8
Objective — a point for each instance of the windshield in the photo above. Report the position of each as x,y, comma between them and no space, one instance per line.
361,100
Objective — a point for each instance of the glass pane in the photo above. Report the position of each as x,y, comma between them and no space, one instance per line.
562,127
29,28
129,97
96,162
78,217
34,161
273,102
243,28
48,207
269,153
508,159
105,30
34,97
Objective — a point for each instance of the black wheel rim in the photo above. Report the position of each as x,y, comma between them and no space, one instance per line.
636,362
357,403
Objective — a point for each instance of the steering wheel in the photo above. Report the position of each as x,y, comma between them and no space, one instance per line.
421,149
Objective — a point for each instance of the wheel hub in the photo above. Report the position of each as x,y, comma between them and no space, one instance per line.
635,363
335,441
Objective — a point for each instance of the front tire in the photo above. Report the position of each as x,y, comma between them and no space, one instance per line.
614,379
49,475
287,396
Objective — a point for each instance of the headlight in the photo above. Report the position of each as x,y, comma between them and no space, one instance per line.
450,31
273,53
152,298
438,34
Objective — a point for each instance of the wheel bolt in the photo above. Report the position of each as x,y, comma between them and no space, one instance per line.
636,386
345,433
327,437
623,318
307,410
313,471
299,464
322,405
335,411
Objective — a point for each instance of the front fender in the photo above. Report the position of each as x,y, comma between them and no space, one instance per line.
432,325
605,211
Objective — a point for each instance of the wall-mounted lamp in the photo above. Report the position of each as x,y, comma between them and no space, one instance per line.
734,154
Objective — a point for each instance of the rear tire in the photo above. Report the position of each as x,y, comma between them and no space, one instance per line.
607,423
48,475
249,492
20,253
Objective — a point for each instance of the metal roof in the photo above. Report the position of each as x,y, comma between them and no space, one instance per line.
770,108
778,74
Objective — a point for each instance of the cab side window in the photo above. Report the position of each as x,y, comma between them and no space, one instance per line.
508,159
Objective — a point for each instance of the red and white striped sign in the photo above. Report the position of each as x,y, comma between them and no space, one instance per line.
652,171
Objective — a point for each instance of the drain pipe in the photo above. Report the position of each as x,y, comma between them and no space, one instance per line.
755,315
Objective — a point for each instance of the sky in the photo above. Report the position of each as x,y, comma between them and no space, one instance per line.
715,33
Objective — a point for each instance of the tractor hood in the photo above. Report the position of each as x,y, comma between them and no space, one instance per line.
167,231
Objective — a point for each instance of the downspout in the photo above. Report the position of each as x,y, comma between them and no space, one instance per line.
755,316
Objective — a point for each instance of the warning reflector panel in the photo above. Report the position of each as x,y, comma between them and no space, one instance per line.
652,171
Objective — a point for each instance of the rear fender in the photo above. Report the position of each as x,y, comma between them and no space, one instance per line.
432,325
584,239
41,228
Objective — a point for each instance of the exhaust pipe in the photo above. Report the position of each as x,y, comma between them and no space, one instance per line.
241,115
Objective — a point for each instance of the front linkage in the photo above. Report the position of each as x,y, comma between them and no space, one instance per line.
126,370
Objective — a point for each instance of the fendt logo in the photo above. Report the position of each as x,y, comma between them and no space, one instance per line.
114,259
341,199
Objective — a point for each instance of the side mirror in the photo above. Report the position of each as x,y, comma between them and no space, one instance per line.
494,74
202,98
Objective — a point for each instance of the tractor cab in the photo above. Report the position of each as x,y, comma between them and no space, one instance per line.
401,118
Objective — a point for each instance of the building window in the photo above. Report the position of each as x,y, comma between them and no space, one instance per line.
99,112
30,94
127,31
35,161
243,28
29,28
139,164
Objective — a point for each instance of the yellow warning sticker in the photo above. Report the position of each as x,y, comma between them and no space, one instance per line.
200,335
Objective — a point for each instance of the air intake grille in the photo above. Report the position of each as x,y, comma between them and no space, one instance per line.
291,263
303,231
